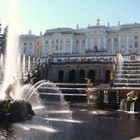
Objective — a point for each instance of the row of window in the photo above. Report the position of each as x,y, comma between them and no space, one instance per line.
83,40
130,46
124,38
102,48
101,40
57,41
25,43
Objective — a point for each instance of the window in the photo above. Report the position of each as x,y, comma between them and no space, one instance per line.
30,43
136,44
24,51
68,41
46,42
136,37
123,46
109,40
52,41
115,39
83,41
57,48
77,41
102,48
37,43
57,40
25,43
130,46
61,41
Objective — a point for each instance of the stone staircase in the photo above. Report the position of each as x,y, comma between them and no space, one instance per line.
128,74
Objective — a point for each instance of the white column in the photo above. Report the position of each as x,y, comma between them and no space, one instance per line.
127,41
80,46
119,43
43,51
64,45
71,45
49,46
105,43
86,43
112,45
92,43
34,48
99,43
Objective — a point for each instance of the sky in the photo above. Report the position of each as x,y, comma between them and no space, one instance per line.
40,15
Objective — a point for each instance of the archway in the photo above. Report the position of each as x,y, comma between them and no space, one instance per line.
107,76
91,75
81,76
61,76
72,76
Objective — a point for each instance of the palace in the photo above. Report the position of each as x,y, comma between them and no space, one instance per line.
98,39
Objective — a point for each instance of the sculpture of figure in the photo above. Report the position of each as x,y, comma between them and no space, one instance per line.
89,88
28,79
111,79
10,89
132,96
88,81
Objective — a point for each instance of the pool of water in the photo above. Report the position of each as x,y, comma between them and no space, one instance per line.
76,124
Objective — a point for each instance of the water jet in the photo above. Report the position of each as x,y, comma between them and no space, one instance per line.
13,108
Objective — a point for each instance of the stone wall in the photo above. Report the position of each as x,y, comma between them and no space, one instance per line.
81,70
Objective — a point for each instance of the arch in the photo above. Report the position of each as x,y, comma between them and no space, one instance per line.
91,75
72,76
61,76
81,76
107,76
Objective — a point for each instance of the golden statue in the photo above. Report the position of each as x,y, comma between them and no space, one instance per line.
89,88
88,81
132,96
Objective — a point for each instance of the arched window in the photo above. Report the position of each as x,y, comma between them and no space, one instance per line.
72,76
61,76
82,76
91,75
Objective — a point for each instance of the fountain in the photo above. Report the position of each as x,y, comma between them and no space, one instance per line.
124,93
12,106
23,65
127,83
49,91
128,74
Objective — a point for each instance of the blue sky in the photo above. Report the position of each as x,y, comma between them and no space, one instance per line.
39,15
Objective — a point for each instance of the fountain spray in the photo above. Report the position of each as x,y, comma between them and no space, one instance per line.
10,69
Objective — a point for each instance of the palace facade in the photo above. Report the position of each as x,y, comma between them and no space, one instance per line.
98,39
